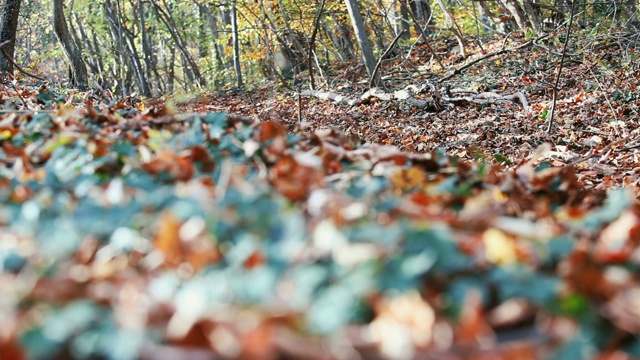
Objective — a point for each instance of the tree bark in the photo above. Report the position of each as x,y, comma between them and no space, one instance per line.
8,33
532,15
362,37
402,19
146,45
236,45
79,76
516,11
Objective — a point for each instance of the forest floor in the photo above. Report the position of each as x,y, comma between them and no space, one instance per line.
597,111
296,228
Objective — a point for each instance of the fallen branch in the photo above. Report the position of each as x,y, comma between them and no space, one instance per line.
595,153
503,50
336,98
434,103
490,97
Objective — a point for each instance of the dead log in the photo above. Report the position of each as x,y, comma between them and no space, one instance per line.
424,96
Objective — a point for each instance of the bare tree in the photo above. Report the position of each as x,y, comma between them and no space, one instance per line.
79,77
8,33
236,45
167,19
362,37
515,10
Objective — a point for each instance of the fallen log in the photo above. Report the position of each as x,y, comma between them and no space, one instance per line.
434,100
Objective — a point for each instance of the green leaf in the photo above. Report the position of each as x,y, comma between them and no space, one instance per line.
522,282
45,96
331,311
501,159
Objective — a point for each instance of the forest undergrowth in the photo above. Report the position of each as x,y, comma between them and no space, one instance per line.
597,106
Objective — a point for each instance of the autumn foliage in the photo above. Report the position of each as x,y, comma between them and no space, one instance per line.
225,228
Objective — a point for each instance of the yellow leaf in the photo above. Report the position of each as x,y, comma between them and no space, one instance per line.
499,248
5,134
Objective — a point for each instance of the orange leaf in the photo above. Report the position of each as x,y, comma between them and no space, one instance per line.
167,239
179,167
409,179
200,154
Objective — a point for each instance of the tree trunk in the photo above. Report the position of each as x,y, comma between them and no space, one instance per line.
8,33
218,49
454,27
146,46
167,19
170,70
516,11
363,39
79,77
342,53
346,43
532,15
118,22
236,45
403,19
84,42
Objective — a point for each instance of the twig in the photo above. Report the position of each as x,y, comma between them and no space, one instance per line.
372,81
299,104
564,53
465,66
312,44
19,95
475,16
594,154
10,59
506,38
613,111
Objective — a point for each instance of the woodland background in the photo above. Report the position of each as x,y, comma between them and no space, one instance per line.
367,179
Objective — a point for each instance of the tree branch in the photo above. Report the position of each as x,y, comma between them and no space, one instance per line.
384,55
465,66
564,54
6,55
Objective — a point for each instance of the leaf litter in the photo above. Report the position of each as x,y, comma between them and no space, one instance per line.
225,228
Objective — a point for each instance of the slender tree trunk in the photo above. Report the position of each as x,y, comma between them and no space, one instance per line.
342,53
292,37
218,49
312,43
454,27
403,19
117,33
146,46
362,37
170,70
8,33
516,11
85,43
167,19
236,45
79,77
532,15
225,17
118,20
346,44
